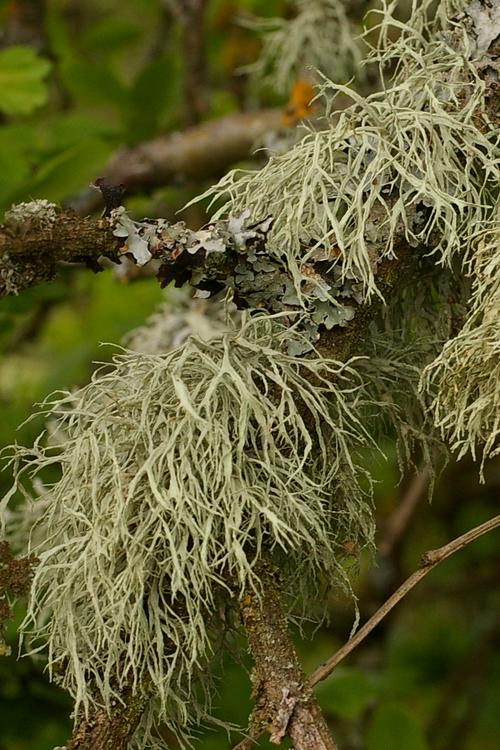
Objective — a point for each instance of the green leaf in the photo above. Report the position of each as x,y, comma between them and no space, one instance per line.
392,728
22,88
15,146
110,35
346,693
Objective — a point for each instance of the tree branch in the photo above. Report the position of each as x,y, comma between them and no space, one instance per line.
15,577
428,561
192,14
205,150
264,637
100,731
284,705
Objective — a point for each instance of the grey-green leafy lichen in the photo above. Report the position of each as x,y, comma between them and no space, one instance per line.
233,256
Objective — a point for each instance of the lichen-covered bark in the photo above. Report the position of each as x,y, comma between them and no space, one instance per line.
284,705
31,250
101,731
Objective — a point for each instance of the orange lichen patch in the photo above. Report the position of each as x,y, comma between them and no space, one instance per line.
306,270
300,102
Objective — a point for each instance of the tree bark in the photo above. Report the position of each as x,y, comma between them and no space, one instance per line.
284,704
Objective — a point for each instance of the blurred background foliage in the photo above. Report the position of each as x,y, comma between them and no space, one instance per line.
76,81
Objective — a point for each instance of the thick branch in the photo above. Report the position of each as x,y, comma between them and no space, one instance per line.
283,705
103,732
37,236
205,150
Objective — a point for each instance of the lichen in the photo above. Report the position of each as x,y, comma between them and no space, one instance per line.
464,379
320,36
420,156
177,470
24,217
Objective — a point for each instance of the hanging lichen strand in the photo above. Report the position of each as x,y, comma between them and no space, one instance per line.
319,36
418,159
465,378
177,470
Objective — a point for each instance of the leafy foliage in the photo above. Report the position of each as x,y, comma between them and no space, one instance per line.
22,88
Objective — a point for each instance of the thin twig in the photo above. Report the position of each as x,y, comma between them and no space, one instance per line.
428,561
399,520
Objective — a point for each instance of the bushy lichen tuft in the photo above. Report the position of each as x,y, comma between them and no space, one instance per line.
418,161
319,36
464,379
176,472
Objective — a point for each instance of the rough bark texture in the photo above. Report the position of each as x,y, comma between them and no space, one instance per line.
284,706
15,578
30,252
102,732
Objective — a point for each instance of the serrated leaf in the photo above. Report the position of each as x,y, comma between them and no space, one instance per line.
22,88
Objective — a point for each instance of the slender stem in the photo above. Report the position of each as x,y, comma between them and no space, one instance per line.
195,93
400,519
428,561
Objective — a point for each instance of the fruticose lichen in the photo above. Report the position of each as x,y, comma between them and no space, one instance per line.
417,161
464,379
177,471
320,36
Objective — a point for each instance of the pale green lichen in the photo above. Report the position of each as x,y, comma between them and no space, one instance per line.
177,470
418,161
464,379
25,216
320,36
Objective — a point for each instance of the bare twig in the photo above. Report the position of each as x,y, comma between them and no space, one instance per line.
195,94
399,520
428,561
